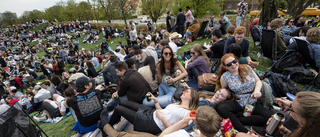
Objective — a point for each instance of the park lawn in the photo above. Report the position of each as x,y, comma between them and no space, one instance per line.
63,128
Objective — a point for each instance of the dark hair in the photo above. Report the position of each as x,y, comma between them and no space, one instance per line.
305,29
164,42
14,90
42,60
150,61
30,93
46,83
216,33
295,22
188,7
168,12
69,92
113,58
55,80
180,9
89,64
129,62
235,49
121,66
172,61
287,21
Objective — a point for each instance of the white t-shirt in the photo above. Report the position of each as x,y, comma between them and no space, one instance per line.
173,114
174,47
302,38
179,133
62,107
59,99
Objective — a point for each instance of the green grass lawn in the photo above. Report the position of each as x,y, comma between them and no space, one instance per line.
63,128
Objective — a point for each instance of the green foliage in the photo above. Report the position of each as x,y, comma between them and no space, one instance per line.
30,15
8,18
154,8
110,9
83,11
54,12
199,8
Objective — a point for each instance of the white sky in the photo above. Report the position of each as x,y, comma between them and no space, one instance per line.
19,6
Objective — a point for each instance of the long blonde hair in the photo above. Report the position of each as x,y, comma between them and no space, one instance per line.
198,48
194,102
309,110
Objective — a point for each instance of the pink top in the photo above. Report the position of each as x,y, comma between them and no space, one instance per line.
188,16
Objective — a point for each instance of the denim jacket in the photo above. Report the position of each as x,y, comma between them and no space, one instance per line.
287,30
314,50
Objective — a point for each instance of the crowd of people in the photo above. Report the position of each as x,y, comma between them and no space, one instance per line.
150,77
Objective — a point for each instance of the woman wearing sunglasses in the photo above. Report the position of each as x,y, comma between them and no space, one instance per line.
288,27
245,83
168,69
153,120
305,110
198,64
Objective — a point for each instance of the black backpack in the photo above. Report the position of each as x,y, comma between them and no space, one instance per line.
281,85
215,64
292,59
299,74
316,81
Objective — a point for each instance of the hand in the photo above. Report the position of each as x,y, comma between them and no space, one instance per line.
152,97
256,94
171,80
115,95
187,118
283,103
211,42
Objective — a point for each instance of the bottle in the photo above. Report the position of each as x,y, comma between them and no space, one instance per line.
181,60
274,123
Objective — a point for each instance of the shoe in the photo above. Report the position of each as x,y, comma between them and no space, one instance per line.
36,118
48,120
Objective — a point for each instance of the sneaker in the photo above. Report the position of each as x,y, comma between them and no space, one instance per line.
48,120
36,118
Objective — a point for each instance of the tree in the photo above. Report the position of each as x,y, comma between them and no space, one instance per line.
154,8
8,18
84,11
69,13
126,6
199,8
298,6
110,8
96,9
54,12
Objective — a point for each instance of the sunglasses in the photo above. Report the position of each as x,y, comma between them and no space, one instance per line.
167,53
232,62
192,53
290,108
291,21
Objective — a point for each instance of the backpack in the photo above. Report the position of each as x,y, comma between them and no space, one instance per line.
316,81
291,59
215,65
60,64
281,85
299,74
42,77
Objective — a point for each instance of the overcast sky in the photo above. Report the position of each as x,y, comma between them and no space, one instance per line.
19,6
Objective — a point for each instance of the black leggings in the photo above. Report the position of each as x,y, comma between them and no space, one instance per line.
232,110
127,109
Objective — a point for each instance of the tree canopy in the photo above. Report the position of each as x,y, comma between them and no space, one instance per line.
154,8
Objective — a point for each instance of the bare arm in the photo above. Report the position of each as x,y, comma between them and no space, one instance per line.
159,73
256,93
184,72
176,126
162,118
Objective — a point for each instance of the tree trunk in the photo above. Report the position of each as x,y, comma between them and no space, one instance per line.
268,12
298,6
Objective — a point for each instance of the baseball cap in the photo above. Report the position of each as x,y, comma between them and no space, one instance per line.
37,87
82,81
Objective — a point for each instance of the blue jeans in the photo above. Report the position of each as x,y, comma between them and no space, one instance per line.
107,78
239,19
188,33
165,96
113,103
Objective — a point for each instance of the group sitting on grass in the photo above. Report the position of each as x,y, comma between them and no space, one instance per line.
155,88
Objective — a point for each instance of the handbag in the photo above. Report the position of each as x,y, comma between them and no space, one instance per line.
207,79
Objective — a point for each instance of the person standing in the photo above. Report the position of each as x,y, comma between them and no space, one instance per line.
181,19
173,25
242,9
188,16
168,21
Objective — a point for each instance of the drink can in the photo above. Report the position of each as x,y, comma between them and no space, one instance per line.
148,97
274,123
